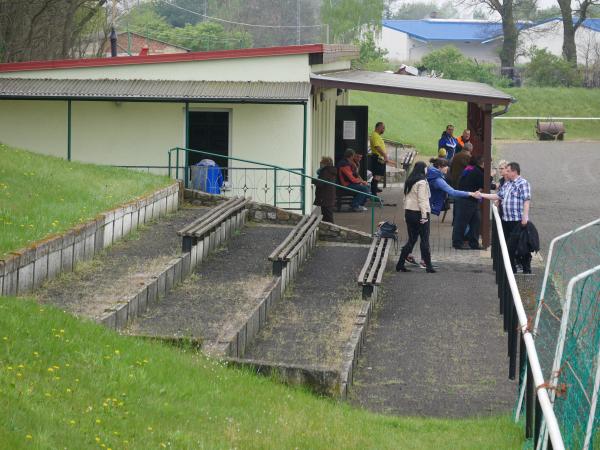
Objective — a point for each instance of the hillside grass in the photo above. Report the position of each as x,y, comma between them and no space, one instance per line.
43,195
70,383
420,121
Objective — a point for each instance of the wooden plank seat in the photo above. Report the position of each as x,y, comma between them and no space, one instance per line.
204,225
372,272
294,241
408,159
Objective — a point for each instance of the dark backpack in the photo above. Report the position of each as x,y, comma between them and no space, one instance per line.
387,230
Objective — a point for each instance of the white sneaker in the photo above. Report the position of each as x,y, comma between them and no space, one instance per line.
362,208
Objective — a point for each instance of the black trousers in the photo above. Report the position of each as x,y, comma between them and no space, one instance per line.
416,230
327,213
466,213
508,227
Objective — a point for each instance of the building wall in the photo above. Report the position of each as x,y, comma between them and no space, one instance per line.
323,124
40,126
549,36
481,52
269,68
396,44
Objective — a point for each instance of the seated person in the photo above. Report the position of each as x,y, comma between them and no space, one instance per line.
348,176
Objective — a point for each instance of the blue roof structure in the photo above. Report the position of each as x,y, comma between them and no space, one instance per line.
447,30
464,30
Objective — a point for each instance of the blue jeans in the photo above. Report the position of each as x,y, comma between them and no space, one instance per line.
359,199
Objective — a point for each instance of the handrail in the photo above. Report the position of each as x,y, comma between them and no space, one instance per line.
373,198
534,363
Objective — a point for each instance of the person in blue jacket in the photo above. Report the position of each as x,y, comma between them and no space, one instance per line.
438,186
449,143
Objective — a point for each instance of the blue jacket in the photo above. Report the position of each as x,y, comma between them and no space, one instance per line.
439,190
450,143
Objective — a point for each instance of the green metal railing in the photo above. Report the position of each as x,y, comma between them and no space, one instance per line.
375,201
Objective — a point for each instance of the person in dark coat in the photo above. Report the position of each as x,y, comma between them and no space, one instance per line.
325,193
448,143
466,210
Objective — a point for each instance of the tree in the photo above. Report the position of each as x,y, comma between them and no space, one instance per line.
349,19
45,29
421,10
571,24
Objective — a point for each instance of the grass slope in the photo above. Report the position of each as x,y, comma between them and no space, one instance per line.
420,121
42,195
70,383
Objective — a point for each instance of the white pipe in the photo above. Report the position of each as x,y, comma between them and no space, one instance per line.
591,417
549,119
534,363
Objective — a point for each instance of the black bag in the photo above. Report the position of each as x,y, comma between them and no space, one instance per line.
387,230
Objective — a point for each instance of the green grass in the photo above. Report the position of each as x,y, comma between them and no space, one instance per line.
420,121
42,195
67,382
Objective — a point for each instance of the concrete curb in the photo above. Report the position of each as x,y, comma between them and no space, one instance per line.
26,269
174,273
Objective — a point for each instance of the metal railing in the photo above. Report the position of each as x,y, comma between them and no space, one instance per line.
273,190
515,322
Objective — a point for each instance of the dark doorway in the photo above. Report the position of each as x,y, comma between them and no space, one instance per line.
209,131
351,131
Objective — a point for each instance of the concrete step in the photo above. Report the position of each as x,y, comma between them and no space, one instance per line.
221,294
120,272
311,334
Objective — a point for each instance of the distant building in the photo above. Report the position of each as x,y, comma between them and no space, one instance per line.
408,41
548,35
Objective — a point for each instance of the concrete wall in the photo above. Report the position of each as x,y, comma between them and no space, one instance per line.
396,44
268,68
481,52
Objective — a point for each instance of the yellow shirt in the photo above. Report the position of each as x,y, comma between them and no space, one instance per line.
376,141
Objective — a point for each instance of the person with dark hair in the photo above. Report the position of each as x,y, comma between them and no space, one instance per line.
466,210
438,186
378,158
459,162
515,198
348,177
447,143
325,193
416,214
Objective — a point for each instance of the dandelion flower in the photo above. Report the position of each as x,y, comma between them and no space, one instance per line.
29,436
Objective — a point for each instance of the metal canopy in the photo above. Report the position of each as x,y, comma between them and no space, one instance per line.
154,90
391,83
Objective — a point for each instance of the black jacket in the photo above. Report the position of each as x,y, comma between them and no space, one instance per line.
527,239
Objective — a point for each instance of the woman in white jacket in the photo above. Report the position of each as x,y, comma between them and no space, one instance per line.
416,214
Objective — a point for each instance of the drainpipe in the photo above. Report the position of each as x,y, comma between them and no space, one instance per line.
113,43
187,142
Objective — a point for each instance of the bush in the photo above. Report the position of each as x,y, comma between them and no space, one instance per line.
546,69
370,57
455,66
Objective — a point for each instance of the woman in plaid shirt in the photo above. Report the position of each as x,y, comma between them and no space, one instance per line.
515,195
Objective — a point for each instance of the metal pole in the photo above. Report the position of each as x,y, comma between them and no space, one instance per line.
529,404
275,187
187,141
305,110
68,130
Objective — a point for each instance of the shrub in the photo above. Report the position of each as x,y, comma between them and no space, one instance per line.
371,57
546,69
455,66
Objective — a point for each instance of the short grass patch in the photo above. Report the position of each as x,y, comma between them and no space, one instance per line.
42,195
65,382
420,121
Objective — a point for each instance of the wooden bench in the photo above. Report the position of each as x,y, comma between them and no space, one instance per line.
206,224
372,272
300,238
408,159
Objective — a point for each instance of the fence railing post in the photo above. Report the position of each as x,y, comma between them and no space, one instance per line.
275,188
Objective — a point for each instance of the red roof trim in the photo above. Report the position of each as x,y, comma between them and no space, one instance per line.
163,58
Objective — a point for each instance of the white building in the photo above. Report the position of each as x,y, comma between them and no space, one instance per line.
407,41
548,35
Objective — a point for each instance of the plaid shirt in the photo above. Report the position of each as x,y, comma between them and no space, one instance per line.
513,195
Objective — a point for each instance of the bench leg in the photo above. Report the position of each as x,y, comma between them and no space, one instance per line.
278,267
187,243
367,291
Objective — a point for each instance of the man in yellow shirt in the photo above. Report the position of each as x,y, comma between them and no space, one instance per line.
379,157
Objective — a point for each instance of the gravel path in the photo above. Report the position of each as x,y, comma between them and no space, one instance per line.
119,271
564,180
435,347
222,290
313,322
